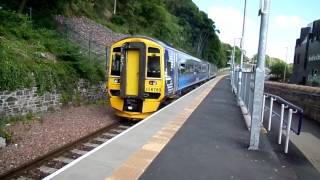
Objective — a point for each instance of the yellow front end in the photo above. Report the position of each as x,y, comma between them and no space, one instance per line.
136,83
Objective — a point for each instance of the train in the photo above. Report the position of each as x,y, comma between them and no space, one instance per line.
143,72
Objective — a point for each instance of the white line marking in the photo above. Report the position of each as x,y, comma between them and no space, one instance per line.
124,132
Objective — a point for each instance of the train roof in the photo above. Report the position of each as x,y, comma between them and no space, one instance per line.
164,44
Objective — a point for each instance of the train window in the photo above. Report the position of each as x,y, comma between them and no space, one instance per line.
182,68
153,67
190,68
116,65
169,68
153,50
117,49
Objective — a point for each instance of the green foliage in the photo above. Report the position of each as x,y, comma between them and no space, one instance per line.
24,62
278,67
6,135
178,22
227,50
118,20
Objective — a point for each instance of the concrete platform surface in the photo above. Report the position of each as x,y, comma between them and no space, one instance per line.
212,144
200,136
111,155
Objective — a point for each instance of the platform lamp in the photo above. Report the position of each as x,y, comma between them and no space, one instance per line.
114,6
231,66
241,47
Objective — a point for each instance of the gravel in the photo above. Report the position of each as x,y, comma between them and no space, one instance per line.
38,137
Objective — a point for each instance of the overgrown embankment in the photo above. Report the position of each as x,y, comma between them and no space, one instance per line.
32,56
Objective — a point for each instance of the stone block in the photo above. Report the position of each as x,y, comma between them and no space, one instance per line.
11,99
47,97
2,142
19,93
51,109
11,103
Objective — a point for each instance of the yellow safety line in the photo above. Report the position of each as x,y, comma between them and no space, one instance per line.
137,163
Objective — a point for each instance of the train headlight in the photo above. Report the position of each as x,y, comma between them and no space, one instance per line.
152,82
116,80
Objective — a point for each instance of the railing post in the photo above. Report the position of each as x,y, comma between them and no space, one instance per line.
259,77
263,105
281,123
244,89
270,113
288,131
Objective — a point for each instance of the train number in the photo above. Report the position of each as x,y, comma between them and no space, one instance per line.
153,89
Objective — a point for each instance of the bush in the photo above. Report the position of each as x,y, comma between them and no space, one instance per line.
119,20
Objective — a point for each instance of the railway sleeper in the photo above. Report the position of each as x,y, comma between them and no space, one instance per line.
79,152
47,170
91,145
100,139
63,159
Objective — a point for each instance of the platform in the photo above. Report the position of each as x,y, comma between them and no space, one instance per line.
200,136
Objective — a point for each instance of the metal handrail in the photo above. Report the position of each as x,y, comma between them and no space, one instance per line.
289,105
285,102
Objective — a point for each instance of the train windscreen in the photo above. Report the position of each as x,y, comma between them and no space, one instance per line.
153,67
116,65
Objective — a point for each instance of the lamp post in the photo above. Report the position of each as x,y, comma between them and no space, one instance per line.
241,47
285,65
259,77
233,62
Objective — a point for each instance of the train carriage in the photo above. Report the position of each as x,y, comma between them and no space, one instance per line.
143,72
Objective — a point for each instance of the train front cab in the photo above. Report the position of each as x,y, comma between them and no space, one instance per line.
136,84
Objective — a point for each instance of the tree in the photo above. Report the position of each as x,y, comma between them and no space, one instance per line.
277,68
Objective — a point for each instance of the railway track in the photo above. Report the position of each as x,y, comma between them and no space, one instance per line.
48,164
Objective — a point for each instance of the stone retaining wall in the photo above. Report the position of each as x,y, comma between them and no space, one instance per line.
308,98
92,92
23,101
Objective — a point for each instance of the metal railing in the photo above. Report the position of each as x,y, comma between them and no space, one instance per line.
246,91
284,111
285,118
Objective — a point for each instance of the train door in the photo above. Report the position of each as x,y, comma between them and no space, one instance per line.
132,76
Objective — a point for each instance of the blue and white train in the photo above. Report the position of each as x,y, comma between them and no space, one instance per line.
143,72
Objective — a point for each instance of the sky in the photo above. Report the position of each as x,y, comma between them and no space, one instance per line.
286,19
